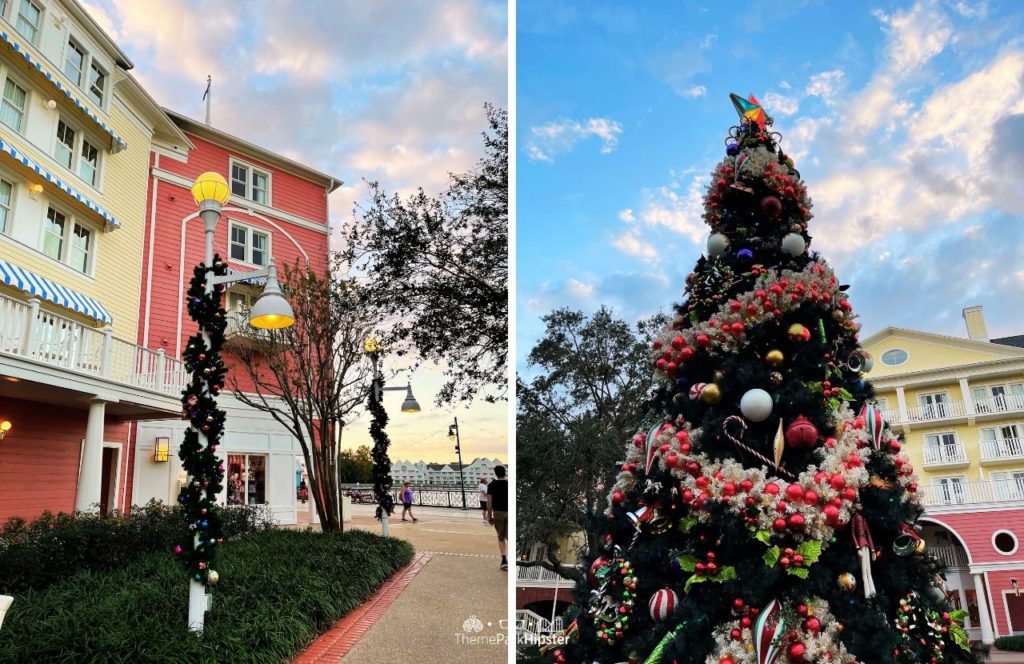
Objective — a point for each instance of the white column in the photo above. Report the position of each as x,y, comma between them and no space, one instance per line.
986,621
90,473
968,400
901,398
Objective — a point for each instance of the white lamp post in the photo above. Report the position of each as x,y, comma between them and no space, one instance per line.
271,311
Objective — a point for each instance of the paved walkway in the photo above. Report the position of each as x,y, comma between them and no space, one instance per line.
448,606
1005,657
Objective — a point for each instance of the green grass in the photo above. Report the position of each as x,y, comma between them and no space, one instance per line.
277,591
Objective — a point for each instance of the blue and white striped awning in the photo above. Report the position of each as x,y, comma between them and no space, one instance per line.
32,283
256,281
64,186
118,144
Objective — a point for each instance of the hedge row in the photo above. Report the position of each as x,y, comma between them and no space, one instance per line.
1015,643
35,555
277,591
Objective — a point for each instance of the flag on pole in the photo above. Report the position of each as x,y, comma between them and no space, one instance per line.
208,83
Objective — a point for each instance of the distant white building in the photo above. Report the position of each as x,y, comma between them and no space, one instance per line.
421,473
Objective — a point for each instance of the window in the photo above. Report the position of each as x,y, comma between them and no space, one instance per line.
942,448
1008,486
996,398
28,20
249,245
53,240
89,163
74,63
894,357
12,112
78,253
6,196
97,83
247,479
882,403
950,490
934,406
65,150
67,241
250,183
1004,542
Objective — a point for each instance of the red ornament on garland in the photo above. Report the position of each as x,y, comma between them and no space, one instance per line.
801,434
771,205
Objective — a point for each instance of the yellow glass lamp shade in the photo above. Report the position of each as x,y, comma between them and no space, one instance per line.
371,345
162,449
211,186
272,312
5,426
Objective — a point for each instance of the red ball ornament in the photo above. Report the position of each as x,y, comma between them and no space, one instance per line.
796,521
771,205
617,497
801,434
796,652
795,493
812,625
772,489
671,461
837,481
595,568
779,525
831,513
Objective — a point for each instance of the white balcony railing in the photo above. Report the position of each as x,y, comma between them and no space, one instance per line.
1004,403
945,455
539,576
529,623
29,332
965,493
950,556
937,411
1007,449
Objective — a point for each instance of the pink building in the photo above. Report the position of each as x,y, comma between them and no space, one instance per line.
278,208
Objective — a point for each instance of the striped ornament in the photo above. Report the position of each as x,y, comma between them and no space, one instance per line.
768,632
663,603
696,389
874,423
650,448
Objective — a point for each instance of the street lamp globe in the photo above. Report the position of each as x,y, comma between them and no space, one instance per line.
210,186
371,345
272,311
410,405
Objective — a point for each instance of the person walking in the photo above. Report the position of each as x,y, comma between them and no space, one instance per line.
482,490
407,501
497,510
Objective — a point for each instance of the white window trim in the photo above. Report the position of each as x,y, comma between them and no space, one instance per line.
899,364
232,224
232,162
16,184
87,86
940,434
16,12
70,219
86,59
81,135
1016,542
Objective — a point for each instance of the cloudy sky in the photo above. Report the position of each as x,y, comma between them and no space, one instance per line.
906,119
386,90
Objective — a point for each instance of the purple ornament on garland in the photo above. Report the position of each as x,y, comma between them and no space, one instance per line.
732,149
745,254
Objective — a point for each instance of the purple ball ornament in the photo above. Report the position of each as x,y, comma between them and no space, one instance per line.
745,254
732,149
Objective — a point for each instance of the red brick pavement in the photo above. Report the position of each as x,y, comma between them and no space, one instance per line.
334,644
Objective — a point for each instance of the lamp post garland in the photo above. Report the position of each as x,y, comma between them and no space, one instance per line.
453,434
198,452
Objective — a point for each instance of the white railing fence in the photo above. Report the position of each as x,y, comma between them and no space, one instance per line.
962,493
1007,448
52,339
936,411
944,454
999,404
950,556
530,623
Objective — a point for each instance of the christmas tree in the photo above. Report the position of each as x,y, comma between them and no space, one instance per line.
768,514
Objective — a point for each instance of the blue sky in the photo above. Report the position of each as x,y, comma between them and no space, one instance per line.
906,120
387,90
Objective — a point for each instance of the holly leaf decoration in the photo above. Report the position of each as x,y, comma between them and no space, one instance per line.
810,550
687,563
692,580
685,525
845,395
771,556
958,616
801,572
763,536
960,637
833,403
727,573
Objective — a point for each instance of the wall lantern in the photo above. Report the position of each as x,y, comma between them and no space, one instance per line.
5,426
34,190
162,450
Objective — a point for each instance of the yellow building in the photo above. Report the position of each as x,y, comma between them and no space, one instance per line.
959,403
76,131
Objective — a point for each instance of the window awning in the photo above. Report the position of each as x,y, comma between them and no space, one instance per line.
118,142
256,281
32,283
64,186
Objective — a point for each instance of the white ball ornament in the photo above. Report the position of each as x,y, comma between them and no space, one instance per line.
794,244
756,405
718,244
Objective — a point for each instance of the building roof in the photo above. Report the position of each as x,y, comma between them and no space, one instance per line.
98,33
206,132
1015,341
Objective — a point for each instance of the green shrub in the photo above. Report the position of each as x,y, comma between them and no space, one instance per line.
35,555
1015,643
278,590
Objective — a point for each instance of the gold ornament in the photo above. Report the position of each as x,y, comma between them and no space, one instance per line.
847,581
711,394
780,445
212,577
920,548
774,358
